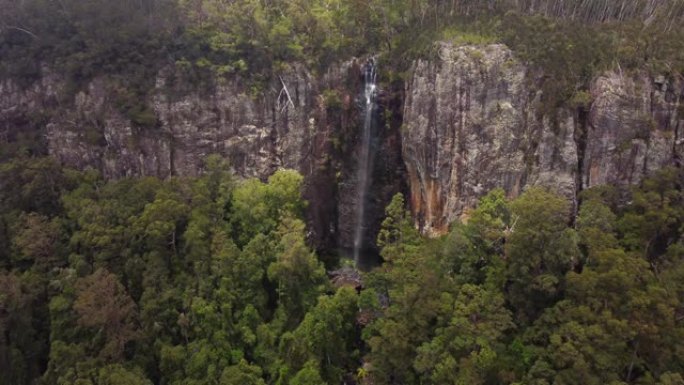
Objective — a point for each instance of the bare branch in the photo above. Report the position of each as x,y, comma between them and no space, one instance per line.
289,99
23,30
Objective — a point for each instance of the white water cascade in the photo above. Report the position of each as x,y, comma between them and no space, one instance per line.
364,157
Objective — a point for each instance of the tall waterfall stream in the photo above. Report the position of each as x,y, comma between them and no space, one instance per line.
364,161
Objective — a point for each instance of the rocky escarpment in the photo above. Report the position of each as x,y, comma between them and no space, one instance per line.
473,121
465,122
257,134
636,126
299,121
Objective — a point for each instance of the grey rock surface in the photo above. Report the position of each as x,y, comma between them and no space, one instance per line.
635,128
466,121
473,122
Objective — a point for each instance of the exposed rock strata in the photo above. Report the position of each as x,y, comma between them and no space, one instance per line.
464,123
472,122
298,121
257,134
636,127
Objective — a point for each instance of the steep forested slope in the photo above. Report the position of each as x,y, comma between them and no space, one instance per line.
209,281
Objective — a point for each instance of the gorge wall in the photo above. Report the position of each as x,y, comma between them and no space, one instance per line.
473,121
257,135
465,122
299,121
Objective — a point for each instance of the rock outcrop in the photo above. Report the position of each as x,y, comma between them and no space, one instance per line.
473,122
465,122
636,127
257,134
298,121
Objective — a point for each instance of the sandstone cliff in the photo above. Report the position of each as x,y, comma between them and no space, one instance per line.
465,122
473,122
257,134
298,121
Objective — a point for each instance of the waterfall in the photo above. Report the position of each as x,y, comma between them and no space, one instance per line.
364,159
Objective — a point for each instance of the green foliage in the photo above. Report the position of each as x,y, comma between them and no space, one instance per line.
655,217
614,312
540,250
309,375
516,295
210,281
397,234
327,335
128,43
242,374
299,276
31,185
21,338
119,375
258,208
84,37
471,252
141,280
332,99
464,350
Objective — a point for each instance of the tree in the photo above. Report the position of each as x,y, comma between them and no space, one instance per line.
490,221
242,374
654,219
309,375
298,275
397,234
31,185
162,221
20,342
595,224
258,208
615,317
38,241
327,335
103,304
211,199
103,219
414,287
464,350
540,250
472,252
119,375
249,272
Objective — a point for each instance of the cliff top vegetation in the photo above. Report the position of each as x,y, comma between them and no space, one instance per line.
255,39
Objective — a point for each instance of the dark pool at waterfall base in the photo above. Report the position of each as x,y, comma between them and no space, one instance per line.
368,258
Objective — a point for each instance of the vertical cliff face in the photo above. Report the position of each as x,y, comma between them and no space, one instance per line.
465,122
470,125
298,121
281,127
635,128
257,134
473,122
339,133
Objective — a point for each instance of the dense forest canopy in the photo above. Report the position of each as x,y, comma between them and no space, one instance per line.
254,38
212,279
